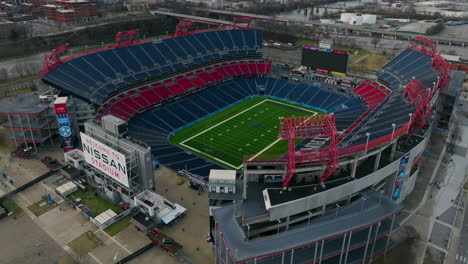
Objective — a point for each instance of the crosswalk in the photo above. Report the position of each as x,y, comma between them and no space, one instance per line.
461,259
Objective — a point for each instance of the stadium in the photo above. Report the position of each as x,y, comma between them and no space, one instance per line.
321,169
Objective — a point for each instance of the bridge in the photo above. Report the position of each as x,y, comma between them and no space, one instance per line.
461,41
198,19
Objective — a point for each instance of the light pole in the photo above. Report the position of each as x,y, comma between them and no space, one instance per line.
337,207
380,197
367,141
248,231
310,215
115,257
393,131
410,119
279,221
363,199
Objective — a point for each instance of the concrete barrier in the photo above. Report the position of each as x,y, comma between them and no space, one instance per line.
27,185
136,253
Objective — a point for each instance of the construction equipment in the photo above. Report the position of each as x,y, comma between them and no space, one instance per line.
50,162
197,182
23,152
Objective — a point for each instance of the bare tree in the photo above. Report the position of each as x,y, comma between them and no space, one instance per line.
3,74
375,41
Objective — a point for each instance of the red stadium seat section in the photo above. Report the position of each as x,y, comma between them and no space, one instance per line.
372,93
128,103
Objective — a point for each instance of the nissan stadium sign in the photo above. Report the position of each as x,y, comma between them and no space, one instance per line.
107,160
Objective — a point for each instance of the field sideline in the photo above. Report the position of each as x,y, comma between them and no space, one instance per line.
248,128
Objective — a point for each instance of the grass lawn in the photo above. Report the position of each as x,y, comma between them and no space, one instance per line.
368,62
11,206
306,42
66,260
250,127
355,51
39,210
118,226
84,243
94,202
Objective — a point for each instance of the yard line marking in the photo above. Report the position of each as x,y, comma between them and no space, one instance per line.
208,155
245,110
222,122
261,151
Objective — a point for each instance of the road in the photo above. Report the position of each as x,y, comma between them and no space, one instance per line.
462,253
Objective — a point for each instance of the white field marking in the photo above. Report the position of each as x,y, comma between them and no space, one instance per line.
269,146
96,259
245,110
115,240
208,155
261,151
220,123
19,193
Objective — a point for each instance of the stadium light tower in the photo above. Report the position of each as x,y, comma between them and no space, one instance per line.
393,131
367,141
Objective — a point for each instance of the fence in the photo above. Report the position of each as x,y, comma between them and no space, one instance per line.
136,253
112,220
27,185
87,216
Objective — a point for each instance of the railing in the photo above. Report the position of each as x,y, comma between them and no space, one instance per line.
279,159
108,47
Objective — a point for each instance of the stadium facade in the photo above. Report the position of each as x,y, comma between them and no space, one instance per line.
334,198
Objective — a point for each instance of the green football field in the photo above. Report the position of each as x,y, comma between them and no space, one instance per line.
247,128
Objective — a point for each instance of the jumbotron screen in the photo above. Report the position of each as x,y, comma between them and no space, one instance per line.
325,60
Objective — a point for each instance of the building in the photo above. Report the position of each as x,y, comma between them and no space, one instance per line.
33,120
333,198
30,120
6,26
38,3
120,166
70,11
416,28
445,8
358,19
222,181
154,210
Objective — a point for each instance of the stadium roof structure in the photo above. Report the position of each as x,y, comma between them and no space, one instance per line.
134,85
359,214
22,104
